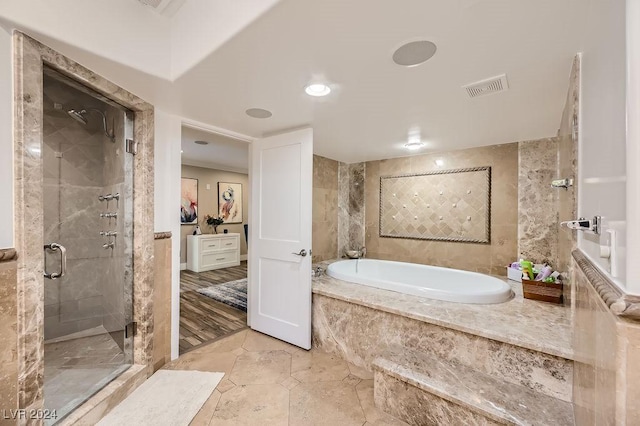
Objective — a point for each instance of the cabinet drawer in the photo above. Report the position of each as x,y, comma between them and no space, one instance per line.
228,243
210,259
210,244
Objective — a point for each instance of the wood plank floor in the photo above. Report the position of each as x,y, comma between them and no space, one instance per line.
203,319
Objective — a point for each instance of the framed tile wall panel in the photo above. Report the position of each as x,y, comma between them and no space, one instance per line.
445,205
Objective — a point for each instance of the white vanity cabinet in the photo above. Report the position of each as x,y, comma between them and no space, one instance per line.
212,251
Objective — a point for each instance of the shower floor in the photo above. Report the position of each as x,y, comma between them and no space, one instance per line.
76,369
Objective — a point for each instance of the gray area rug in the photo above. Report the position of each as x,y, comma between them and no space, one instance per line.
232,293
169,397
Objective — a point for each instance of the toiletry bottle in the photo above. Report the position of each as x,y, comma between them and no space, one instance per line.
527,269
546,272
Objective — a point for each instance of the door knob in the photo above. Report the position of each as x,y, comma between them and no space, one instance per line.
302,253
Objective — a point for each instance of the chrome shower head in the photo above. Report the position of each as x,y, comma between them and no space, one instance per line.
78,115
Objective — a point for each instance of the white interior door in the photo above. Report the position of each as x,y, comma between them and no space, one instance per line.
280,236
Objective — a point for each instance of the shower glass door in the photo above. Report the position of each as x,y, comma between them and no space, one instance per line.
88,232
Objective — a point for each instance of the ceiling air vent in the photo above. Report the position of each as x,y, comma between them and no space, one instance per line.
485,87
152,3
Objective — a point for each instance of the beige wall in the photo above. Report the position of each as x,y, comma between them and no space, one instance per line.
208,203
486,258
325,209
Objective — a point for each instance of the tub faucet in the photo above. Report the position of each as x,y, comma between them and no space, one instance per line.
363,252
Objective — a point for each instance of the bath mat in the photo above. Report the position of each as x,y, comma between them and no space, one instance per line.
169,397
233,293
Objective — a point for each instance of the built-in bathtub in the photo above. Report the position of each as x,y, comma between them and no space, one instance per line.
434,282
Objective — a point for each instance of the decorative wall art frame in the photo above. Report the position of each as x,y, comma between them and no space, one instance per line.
189,201
230,202
444,205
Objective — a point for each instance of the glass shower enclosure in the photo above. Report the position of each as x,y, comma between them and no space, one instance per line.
88,241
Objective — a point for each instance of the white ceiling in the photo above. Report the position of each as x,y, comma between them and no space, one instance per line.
375,103
222,153
212,59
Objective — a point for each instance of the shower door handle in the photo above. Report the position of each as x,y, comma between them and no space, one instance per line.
63,260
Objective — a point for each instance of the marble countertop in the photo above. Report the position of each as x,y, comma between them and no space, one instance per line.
530,324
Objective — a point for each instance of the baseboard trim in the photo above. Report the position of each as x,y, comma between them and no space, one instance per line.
183,266
243,257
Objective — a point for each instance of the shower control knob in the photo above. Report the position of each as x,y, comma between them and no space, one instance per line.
109,197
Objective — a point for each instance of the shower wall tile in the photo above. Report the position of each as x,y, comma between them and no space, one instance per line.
325,208
8,335
72,166
81,309
537,201
487,258
81,165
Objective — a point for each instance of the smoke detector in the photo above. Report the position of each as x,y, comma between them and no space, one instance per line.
491,85
164,7
152,3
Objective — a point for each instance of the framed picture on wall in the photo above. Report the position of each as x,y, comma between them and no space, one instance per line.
189,202
230,202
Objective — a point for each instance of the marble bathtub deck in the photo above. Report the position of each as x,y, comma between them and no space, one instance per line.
502,402
539,326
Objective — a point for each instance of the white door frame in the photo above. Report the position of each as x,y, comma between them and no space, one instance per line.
177,164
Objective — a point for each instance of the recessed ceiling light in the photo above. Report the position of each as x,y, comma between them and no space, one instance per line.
258,113
439,162
201,142
414,53
317,89
414,145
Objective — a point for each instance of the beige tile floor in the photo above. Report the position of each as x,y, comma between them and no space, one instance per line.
269,382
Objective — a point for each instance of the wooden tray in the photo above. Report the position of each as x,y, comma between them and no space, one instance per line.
546,292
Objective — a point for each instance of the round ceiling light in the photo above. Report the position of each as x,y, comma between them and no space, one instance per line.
201,142
317,89
414,53
414,145
258,113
